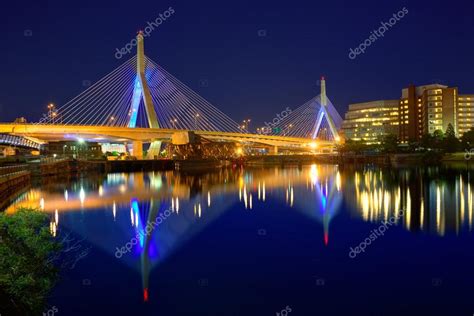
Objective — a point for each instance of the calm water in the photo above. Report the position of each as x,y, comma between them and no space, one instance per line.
259,241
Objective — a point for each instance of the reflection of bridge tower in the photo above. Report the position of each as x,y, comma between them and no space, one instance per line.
328,192
323,113
141,92
146,214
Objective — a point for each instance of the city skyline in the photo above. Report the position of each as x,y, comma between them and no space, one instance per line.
250,83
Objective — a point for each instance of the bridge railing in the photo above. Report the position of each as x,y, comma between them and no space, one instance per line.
9,170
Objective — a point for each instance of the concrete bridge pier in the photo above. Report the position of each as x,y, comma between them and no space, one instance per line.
275,150
137,149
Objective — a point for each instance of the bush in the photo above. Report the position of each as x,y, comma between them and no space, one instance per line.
26,271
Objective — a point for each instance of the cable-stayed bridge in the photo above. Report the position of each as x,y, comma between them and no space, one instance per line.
140,102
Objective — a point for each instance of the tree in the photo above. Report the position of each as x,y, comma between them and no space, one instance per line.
450,141
450,133
427,141
389,143
467,139
437,139
26,272
353,146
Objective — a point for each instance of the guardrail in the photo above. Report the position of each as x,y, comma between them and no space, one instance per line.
8,170
20,141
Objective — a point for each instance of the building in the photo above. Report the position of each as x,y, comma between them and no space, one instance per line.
421,110
371,121
465,113
425,109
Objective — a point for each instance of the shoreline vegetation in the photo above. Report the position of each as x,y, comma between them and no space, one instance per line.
430,149
27,270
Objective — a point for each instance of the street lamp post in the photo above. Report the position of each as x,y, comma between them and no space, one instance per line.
54,115
196,121
288,127
174,121
51,112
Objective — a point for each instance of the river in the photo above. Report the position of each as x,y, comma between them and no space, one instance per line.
313,240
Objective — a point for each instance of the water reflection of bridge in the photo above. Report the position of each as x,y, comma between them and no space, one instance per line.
195,201
376,195
121,188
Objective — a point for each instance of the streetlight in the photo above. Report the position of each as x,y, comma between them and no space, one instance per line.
50,110
246,123
54,114
196,118
174,121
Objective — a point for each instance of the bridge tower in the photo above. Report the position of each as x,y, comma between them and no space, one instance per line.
323,113
141,91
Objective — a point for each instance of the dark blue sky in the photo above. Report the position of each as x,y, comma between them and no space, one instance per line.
219,43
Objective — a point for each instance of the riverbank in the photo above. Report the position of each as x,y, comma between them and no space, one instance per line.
13,180
393,160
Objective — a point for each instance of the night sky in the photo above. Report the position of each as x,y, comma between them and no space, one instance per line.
251,59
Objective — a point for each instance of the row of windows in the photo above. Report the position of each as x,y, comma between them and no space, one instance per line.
434,92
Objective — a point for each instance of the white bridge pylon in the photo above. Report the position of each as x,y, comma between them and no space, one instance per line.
316,119
141,90
324,114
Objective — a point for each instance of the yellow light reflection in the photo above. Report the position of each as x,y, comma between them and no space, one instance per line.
291,197
82,195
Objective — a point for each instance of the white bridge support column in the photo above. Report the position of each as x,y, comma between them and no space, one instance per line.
154,150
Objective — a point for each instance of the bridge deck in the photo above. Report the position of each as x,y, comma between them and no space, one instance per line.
124,134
